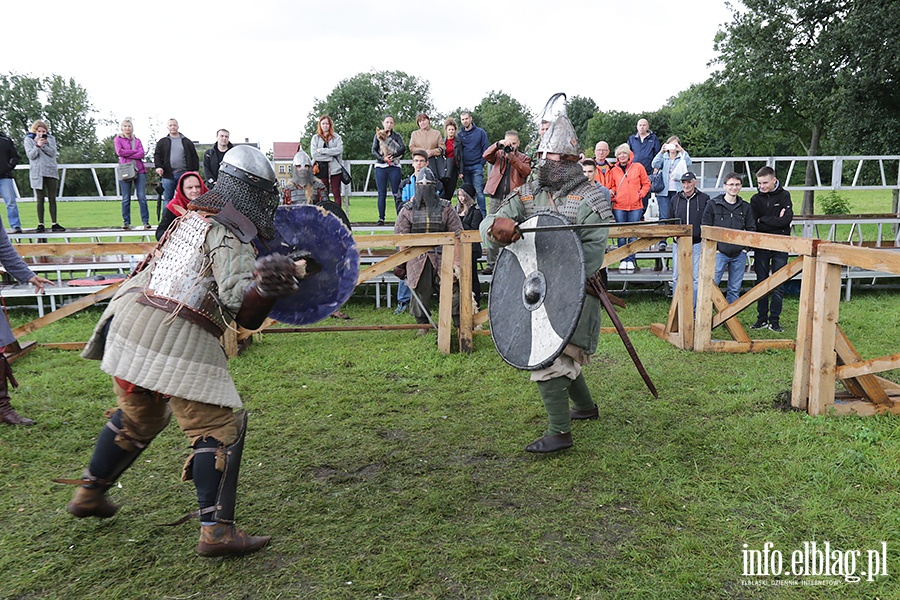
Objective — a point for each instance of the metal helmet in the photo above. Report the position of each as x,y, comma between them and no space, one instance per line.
249,165
560,138
426,176
247,182
302,159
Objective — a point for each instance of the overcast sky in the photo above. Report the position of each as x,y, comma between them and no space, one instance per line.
257,67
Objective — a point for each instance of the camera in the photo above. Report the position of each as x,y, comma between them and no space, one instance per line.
508,148
670,147
43,135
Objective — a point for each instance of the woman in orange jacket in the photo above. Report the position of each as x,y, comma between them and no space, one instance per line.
628,183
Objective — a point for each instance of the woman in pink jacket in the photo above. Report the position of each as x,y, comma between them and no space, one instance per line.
130,149
628,183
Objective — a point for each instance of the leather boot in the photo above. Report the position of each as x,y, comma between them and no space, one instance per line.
224,539
551,443
91,502
7,413
581,415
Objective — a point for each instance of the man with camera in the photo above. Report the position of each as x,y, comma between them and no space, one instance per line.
509,169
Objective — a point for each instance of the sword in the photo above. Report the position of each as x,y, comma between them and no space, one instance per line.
418,300
596,225
596,284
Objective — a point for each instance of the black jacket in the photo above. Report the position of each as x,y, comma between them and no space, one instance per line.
9,157
767,208
731,216
689,211
211,163
376,148
162,152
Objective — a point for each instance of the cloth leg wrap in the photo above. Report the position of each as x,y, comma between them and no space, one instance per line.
215,473
580,394
554,393
110,459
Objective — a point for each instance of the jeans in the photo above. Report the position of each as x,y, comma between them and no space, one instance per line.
736,266
140,182
8,191
169,188
475,176
766,262
695,258
383,176
627,216
403,293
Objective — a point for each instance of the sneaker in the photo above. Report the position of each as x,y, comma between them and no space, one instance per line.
126,226
17,230
57,227
401,308
775,326
148,226
488,270
623,266
760,324
40,228
380,222
630,266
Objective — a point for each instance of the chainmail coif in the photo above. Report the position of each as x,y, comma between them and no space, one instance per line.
560,175
255,204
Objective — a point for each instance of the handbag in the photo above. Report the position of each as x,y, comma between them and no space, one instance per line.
321,168
657,182
126,171
346,179
440,166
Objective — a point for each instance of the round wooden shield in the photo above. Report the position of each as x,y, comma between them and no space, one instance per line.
537,294
305,229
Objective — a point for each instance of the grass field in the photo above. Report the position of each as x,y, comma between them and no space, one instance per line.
384,469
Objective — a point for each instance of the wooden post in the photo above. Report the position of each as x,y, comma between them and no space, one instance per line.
800,384
465,296
824,325
445,311
685,291
705,285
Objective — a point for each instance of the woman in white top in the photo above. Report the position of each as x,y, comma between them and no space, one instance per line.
326,148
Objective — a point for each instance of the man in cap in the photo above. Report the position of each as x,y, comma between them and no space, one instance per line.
561,187
159,340
427,213
688,207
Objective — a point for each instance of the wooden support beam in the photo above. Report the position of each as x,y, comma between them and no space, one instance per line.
800,383
847,354
445,309
84,249
705,287
69,309
762,288
466,301
824,327
868,367
873,259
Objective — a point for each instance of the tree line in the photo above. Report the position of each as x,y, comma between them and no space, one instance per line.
791,78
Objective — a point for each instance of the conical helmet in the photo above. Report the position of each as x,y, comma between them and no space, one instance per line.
560,138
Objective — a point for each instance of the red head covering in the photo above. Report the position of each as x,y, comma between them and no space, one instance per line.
180,199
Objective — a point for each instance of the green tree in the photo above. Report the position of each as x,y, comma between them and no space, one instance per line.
357,106
580,111
811,72
612,127
498,112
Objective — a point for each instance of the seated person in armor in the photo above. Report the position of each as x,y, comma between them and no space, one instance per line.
427,213
159,340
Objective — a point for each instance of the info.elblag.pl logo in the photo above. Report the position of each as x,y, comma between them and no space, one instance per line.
814,560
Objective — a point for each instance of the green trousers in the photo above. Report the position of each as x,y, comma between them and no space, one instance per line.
556,394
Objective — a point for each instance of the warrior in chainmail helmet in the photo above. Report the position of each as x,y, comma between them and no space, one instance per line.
427,212
560,187
305,188
159,340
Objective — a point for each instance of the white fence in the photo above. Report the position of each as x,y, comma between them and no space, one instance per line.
831,173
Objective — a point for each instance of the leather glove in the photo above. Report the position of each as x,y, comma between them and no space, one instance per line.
275,276
505,231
